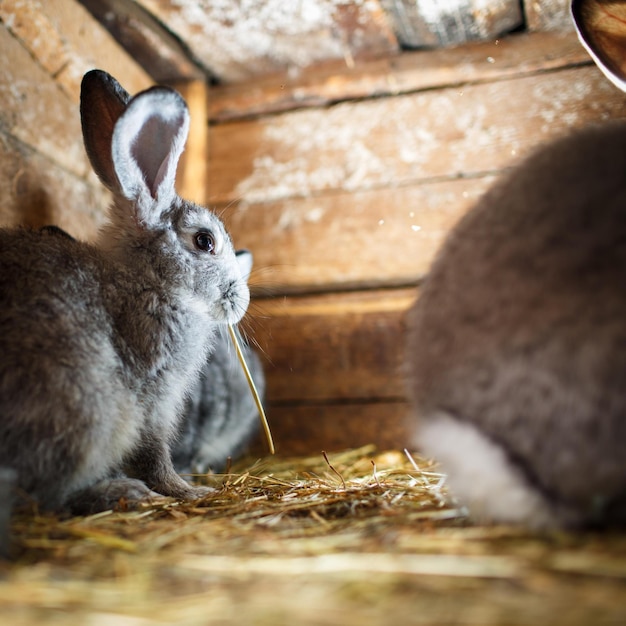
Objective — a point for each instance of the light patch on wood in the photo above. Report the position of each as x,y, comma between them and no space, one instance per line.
422,23
460,131
237,40
409,72
366,302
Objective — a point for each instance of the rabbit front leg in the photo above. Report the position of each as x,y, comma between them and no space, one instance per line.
151,462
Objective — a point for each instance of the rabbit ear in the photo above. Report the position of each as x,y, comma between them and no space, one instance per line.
244,260
603,34
102,102
148,140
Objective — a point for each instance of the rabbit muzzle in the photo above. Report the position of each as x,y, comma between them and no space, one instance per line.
234,302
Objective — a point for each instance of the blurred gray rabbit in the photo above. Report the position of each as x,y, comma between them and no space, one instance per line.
101,343
517,346
220,416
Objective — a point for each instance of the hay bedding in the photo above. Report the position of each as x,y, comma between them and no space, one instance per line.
360,538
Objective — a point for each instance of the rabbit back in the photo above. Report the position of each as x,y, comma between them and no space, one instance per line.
59,372
519,334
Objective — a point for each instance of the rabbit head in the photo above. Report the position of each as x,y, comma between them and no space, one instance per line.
134,145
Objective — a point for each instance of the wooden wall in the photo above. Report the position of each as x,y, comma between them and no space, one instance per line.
344,184
343,180
45,176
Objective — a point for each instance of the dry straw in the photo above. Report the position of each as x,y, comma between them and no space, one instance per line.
349,538
253,389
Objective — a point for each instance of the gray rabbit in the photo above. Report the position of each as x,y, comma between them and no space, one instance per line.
101,343
517,347
220,416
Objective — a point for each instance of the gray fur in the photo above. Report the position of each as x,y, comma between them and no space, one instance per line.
220,415
101,343
520,334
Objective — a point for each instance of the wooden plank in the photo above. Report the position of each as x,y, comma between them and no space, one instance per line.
397,141
191,179
366,239
548,15
308,430
67,41
36,111
453,22
236,42
35,191
146,40
332,82
332,347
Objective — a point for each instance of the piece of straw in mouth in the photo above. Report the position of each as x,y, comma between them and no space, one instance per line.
253,389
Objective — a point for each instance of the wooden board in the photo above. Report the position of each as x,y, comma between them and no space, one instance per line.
66,41
365,239
236,41
146,40
462,131
309,429
191,181
332,82
340,347
45,176
35,191
362,194
34,110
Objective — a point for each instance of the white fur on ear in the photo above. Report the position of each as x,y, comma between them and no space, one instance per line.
480,474
147,143
244,260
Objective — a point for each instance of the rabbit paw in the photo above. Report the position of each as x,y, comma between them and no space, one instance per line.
108,494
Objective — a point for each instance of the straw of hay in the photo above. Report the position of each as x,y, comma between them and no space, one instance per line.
359,537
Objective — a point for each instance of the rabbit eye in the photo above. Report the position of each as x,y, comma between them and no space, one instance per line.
205,241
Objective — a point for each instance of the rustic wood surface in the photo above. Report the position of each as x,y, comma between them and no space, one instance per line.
453,22
361,194
44,172
146,40
312,428
66,41
548,15
334,369
512,56
35,191
364,239
191,177
343,346
459,131
45,176
236,41
35,111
